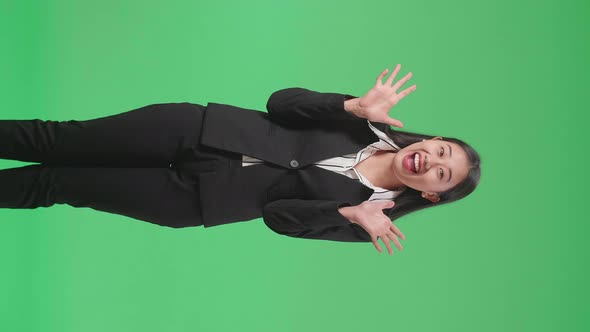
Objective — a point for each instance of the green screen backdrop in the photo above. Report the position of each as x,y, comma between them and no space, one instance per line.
508,77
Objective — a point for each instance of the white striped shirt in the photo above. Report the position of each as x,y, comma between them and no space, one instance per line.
345,164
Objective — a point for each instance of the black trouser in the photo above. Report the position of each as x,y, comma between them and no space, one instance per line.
142,163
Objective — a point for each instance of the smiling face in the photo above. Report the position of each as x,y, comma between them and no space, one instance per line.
441,165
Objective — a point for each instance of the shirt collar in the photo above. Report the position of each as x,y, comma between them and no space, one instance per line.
387,144
383,136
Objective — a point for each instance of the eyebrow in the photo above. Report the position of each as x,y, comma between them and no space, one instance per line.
450,172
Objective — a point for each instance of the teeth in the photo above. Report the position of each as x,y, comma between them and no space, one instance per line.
417,162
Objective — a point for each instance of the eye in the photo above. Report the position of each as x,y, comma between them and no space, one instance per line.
440,171
442,151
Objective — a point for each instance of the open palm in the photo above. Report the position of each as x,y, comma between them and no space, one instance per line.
376,103
370,216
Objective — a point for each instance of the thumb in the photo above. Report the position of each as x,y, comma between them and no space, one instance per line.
388,204
393,122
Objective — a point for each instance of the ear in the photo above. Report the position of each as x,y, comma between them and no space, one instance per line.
431,197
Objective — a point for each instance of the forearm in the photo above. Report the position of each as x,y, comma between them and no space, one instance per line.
300,105
313,219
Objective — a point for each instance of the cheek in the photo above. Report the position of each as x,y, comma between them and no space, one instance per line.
432,179
430,176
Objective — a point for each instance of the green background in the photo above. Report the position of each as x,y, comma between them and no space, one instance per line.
509,77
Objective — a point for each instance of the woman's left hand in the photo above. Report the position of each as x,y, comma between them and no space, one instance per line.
375,105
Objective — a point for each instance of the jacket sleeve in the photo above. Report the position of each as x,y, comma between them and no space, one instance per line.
303,105
312,219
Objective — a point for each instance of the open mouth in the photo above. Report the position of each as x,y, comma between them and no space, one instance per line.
413,162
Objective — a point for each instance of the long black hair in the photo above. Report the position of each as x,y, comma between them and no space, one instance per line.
411,200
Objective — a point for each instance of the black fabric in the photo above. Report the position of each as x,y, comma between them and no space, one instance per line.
179,164
118,164
300,199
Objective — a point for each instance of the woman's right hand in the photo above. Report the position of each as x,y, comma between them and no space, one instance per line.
370,216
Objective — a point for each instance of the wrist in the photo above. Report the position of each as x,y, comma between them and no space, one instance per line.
352,106
348,213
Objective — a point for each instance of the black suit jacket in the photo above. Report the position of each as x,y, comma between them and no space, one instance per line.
293,196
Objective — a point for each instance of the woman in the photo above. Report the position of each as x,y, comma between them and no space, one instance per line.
316,166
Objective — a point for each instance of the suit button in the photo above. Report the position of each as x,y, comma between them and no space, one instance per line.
294,163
